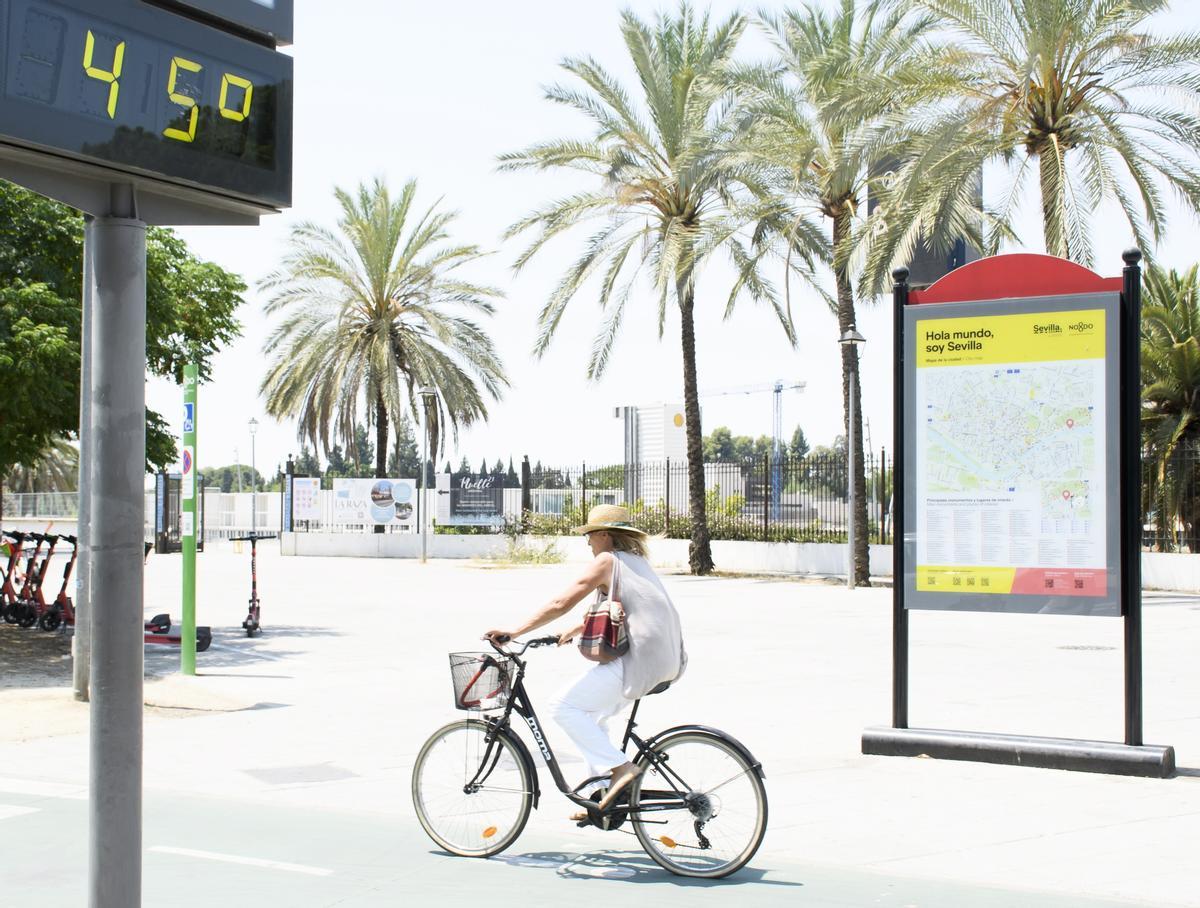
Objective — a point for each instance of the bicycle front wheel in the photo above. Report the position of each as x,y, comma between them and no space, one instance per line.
723,817
472,796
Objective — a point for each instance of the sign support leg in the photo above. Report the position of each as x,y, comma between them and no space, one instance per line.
899,612
1131,491
117,513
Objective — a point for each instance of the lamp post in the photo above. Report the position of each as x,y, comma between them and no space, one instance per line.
851,338
253,481
427,395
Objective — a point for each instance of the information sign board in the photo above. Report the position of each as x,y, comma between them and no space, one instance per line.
374,501
1012,449
306,498
131,88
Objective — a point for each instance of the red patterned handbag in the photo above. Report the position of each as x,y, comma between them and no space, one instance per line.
603,638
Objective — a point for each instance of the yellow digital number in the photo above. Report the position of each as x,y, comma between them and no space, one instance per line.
185,101
112,78
246,86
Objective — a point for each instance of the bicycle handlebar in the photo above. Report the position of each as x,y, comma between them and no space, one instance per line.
500,644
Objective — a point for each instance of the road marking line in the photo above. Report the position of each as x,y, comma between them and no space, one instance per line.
239,859
43,789
7,812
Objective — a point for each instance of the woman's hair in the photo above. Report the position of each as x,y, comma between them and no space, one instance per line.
629,542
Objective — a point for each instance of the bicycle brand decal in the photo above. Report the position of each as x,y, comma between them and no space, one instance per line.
537,736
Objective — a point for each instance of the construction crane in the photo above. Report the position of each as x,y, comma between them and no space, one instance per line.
777,388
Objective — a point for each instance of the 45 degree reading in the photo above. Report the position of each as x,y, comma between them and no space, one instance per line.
234,103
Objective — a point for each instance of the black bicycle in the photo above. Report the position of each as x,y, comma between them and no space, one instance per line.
699,807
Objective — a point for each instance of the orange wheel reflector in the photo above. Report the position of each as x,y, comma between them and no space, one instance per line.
489,832
667,840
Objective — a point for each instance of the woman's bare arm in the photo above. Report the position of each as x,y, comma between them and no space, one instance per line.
596,575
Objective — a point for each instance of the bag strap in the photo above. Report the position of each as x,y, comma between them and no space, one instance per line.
616,576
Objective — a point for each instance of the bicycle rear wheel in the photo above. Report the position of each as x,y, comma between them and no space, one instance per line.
725,817
471,798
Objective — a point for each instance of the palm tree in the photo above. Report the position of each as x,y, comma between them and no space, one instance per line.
1171,392
371,313
1077,91
56,469
668,191
823,115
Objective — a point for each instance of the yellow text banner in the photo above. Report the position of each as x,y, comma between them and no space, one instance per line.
1024,338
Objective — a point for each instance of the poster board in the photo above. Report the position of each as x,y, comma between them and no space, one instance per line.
1012,446
386,502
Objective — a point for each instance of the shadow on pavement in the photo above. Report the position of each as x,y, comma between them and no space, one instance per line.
232,649
32,658
627,867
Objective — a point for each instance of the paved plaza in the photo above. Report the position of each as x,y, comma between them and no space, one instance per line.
280,775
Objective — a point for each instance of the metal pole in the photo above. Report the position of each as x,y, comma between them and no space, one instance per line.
899,612
189,494
119,438
253,489
424,502
850,572
1131,491
81,642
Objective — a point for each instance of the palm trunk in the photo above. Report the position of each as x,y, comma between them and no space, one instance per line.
381,441
1054,228
846,320
700,550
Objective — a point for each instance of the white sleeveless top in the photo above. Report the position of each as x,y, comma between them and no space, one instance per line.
656,652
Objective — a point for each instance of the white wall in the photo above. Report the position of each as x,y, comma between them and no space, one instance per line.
1159,571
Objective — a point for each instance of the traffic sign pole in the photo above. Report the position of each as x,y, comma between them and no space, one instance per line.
118,409
189,517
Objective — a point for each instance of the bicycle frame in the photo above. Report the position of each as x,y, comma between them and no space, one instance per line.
519,702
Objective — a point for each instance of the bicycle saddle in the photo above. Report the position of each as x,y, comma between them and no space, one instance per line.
658,689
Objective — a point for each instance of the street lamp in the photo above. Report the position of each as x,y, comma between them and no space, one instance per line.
851,338
253,481
428,396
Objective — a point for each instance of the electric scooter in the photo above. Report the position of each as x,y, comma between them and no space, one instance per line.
159,629
62,610
251,624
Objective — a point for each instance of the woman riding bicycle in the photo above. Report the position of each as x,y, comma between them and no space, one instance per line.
655,655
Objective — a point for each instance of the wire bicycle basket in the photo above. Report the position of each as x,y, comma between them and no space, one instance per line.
481,681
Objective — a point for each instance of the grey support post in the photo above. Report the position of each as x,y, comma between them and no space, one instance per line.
118,427
81,643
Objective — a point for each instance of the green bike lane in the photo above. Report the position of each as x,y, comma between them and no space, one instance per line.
200,851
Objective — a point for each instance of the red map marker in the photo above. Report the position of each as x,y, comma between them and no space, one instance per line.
1070,424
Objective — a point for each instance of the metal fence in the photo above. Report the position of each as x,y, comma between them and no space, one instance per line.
789,500
1171,501
762,498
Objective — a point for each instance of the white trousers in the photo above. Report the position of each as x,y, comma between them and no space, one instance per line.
582,710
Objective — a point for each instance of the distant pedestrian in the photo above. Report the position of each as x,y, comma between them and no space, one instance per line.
655,656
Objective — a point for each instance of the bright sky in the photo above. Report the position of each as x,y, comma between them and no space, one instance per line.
436,92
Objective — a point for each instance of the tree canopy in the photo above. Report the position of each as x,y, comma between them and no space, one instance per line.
190,316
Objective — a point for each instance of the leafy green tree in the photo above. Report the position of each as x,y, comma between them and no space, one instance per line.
372,311
307,463
826,116
1171,392
363,452
404,460
190,309
798,446
511,479
226,478
1079,96
668,191
718,445
39,361
338,465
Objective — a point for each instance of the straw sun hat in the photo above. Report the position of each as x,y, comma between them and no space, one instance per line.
609,517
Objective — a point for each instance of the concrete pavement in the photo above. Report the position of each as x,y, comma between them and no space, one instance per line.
295,749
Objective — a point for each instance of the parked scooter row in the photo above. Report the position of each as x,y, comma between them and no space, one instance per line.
23,599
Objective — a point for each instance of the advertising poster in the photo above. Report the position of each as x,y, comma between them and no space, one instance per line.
375,501
306,498
1011,433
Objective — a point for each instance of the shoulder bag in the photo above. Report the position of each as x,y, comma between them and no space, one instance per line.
603,638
